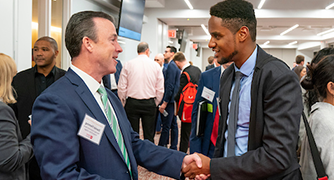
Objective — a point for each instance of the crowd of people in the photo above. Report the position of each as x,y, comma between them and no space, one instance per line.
245,122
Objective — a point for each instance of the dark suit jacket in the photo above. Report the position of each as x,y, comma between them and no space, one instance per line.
194,73
58,114
209,79
276,107
24,85
210,66
172,82
106,78
14,151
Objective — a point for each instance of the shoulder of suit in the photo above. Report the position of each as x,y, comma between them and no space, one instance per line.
24,74
60,70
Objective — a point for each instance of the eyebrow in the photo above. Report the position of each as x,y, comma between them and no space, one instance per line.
215,33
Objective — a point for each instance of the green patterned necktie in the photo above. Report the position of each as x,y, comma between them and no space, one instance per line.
114,126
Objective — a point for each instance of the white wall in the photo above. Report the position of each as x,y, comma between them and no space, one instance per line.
16,31
286,55
206,52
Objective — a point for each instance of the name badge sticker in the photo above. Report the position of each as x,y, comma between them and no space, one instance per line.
208,94
91,129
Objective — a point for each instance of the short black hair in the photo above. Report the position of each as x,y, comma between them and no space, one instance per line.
52,41
172,49
81,25
235,14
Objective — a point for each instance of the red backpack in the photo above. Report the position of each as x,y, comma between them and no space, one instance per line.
186,102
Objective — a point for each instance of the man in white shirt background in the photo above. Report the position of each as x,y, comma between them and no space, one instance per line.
140,89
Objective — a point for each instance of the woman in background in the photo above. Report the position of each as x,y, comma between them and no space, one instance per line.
14,152
321,120
300,71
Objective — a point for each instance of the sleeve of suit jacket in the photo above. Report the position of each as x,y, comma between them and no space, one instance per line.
276,130
58,149
13,152
171,73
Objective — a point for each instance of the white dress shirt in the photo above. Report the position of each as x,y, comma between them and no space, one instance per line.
141,78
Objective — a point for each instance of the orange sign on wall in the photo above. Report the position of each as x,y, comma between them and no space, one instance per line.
172,33
195,46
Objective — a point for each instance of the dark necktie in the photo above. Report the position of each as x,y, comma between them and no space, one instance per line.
232,123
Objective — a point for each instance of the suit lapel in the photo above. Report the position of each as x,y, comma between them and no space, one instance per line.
215,88
94,108
224,88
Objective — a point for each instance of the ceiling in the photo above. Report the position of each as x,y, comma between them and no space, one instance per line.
273,18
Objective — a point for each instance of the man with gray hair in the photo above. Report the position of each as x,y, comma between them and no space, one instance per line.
140,89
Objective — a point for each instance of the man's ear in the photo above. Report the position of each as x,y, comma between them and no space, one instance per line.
87,43
243,34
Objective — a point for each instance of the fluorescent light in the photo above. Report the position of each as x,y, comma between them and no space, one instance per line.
292,43
325,32
188,3
261,4
170,42
330,6
266,43
205,29
290,29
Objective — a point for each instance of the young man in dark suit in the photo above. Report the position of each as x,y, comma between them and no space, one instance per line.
194,74
30,83
172,83
263,113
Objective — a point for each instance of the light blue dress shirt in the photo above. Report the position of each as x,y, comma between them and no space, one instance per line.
241,135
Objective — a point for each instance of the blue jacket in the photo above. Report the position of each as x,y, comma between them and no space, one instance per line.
57,115
210,80
172,82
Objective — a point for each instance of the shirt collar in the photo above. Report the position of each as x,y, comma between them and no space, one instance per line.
248,67
90,82
53,70
185,66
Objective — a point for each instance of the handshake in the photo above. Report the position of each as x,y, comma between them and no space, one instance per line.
196,166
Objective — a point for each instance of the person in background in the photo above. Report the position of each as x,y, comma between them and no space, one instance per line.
80,129
140,89
111,80
194,74
172,83
321,120
300,59
300,71
211,63
31,82
15,151
310,95
159,58
210,81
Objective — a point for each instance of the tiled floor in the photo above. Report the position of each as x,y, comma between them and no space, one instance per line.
144,174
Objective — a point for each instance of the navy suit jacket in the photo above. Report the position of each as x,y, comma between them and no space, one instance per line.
58,114
172,82
106,78
209,79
